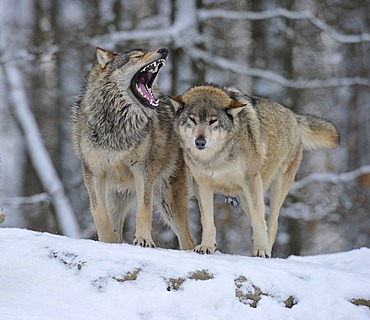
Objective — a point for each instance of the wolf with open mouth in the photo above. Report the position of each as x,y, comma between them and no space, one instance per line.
122,134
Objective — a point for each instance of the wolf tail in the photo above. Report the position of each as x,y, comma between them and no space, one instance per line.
317,133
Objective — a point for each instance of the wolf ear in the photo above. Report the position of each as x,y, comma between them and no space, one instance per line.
104,57
177,102
234,108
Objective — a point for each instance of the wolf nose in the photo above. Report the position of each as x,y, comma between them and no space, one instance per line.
200,143
164,51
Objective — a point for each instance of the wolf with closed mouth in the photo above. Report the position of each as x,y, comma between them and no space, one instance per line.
240,146
122,134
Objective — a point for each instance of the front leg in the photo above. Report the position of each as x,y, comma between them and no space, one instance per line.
253,205
97,188
204,194
144,192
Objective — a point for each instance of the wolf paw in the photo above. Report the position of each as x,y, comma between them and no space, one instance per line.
261,253
204,249
142,242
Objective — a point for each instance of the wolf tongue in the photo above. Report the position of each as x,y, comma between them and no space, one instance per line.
145,92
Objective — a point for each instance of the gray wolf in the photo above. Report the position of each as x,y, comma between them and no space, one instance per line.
240,146
122,134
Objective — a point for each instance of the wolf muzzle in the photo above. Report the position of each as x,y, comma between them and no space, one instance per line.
200,142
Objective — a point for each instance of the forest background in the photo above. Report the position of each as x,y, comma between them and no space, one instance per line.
310,55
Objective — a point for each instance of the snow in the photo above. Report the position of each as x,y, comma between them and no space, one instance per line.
46,276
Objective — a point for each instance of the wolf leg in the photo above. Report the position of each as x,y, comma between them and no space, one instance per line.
96,188
99,211
253,205
172,202
204,195
144,193
278,191
118,205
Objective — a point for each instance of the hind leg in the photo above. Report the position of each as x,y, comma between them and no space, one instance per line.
172,202
96,187
118,205
278,191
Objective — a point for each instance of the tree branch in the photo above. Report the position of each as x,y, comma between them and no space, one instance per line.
18,201
330,177
179,31
239,68
204,14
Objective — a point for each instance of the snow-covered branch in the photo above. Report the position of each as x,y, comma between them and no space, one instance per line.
205,14
18,201
185,20
240,68
330,177
39,155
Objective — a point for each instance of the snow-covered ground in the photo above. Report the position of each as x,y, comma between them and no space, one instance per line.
44,276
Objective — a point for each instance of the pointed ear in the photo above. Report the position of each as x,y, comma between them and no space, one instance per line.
234,108
177,102
104,57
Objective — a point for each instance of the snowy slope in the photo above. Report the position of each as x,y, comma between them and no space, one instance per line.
45,276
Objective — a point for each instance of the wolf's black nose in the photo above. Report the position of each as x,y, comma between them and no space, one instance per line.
200,143
164,51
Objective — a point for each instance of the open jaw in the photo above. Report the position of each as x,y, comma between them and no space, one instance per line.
142,81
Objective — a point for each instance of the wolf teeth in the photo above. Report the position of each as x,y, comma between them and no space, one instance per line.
154,70
155,102
153,67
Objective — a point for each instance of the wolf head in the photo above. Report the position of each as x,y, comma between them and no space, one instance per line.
134,71
205,118
114,108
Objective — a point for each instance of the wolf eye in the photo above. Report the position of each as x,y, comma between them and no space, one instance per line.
192,119
212,121
136,56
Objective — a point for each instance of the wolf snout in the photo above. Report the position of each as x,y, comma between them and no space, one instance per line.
200,142
163,51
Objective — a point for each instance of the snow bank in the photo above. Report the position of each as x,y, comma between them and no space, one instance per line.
45,276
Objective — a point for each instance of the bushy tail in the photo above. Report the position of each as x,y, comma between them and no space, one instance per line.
317,133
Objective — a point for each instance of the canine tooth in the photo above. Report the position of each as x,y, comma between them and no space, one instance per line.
139,89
